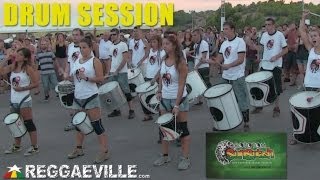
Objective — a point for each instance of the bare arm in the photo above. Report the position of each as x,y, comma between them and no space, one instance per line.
99,72
32,73
238,61
183,72
4,70
123,62
303,33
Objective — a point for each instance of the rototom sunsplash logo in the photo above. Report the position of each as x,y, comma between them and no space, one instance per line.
14,173
228,152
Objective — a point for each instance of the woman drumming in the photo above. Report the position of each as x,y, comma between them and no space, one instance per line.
172,94
23,78
86,73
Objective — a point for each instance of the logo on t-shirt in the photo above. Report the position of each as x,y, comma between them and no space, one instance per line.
16,81
136,45
314,66
75,55
227,52
115,52
152,60
166,79
270,44
78,71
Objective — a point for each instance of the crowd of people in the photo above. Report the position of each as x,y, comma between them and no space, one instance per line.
164,56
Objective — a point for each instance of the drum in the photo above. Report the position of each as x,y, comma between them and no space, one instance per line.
15,124
65,89
168,127
111,96
305,117
135,79
195,86
154,103
82,122
223,106
146,92
261,87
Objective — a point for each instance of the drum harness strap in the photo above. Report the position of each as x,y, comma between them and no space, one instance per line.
83,106
17,110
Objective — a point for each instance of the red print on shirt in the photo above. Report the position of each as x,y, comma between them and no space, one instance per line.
166,79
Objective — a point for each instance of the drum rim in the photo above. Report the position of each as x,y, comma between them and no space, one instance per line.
231,128
301,107
166,122
8,115
216,96
22,134
261,80
133,73
76,114
304,142
113,82
150,89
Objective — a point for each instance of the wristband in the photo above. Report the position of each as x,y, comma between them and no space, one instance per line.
176,106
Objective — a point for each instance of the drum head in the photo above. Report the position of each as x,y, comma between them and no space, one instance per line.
11,118
299,100
78,118
108,87
259,76
132,73
146,87
154,100
217,90
64,83
164,119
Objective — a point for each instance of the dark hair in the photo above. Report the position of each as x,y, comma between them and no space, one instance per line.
27,55
230,24
157,38
271,20
172,37
80,30
58,34
88,41
115,30
185,36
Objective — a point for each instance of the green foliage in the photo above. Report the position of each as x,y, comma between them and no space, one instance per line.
250,15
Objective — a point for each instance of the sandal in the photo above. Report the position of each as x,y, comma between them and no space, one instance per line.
293,142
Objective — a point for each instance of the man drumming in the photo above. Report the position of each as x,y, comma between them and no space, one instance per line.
232,53
274,47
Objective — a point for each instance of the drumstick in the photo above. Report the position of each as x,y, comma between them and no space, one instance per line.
309,99
105,77
314,14
6,82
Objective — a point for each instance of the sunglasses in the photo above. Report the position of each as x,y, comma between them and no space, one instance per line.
113,34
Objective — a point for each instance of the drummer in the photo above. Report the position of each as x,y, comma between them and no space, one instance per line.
172,94
312,76
87,71
154,60
232,52
119,70
274,47
23,79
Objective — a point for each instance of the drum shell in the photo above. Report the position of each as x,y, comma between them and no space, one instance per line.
195,86
85,124
262,93
143,99
16,126
306,123
225,111
135,81
113,99
66,100
168,129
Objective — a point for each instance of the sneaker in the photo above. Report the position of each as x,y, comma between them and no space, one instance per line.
31,151
101,158
162,160
69,127
276,112
76,153
131,114
115,113
46,98
13,149
184,163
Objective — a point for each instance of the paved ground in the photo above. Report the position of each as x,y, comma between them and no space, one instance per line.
134,141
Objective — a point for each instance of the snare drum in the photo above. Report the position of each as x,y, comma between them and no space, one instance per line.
305,117
111,96
195,86
154,103
168,127
261,87
82,122
146,92
135,77
65,89
223,106
15,124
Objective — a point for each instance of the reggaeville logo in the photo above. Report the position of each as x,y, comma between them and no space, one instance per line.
227,151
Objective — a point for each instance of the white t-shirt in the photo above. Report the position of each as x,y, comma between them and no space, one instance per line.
137,47
154,62
74,54
272,46
104,49
20,79
230,50
312,78
116,52
204,47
